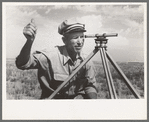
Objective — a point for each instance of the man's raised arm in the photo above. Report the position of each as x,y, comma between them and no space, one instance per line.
30,33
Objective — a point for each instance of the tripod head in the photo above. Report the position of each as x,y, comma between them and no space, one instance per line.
101,40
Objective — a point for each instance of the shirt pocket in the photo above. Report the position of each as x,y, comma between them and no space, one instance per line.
60,77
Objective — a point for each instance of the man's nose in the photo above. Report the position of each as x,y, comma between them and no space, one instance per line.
79,40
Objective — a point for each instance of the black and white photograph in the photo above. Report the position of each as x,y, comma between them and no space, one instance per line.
74,58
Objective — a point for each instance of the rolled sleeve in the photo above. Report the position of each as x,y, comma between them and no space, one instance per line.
90,89
35,60
25,66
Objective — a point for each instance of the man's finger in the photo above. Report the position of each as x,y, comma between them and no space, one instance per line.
31,26
29,31
32,21
32,31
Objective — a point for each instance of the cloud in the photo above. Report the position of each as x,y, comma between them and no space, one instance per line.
118,42
86,8
133,29
49,8
127,20
124,11
92,23
62,6
55,7
81,8
20,16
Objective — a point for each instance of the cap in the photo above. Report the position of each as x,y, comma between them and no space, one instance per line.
67,26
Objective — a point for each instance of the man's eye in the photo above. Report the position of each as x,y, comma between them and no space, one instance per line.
81,36
75,37
78,37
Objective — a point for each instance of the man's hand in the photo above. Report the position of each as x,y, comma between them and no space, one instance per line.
30,31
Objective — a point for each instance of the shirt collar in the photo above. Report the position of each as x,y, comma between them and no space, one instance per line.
66,57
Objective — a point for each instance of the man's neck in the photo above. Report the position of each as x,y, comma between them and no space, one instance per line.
73,56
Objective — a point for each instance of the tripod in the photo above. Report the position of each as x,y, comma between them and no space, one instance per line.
101,42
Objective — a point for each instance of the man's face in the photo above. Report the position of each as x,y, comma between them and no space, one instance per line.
74,42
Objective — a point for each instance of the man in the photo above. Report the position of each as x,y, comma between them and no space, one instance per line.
56,65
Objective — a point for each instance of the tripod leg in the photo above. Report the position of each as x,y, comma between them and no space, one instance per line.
129,85
106,73
110,76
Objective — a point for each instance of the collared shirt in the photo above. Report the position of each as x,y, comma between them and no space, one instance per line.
54,66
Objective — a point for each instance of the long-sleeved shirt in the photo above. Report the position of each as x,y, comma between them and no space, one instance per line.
54,66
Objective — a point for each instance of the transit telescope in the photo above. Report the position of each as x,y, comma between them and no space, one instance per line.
104,35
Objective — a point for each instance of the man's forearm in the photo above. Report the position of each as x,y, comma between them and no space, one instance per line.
24,55
29,32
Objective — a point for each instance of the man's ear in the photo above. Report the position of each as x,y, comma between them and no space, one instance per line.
64,39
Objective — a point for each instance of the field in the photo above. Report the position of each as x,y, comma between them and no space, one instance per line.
24,84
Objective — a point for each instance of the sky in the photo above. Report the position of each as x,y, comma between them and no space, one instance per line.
128,20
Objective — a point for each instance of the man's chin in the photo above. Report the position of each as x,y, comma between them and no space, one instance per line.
78,50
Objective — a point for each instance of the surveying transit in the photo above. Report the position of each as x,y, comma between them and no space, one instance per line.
101,41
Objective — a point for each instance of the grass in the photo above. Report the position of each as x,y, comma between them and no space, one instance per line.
24,84
133,71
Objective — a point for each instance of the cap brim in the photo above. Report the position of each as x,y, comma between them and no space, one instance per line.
75,30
